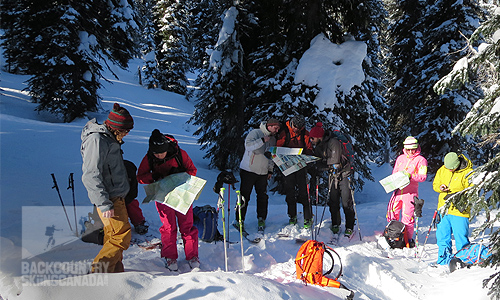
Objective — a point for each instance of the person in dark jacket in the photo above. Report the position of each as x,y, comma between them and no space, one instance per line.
164,158
105,178
331,151
133,209
295,135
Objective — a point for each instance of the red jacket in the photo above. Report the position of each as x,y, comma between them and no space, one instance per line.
163,169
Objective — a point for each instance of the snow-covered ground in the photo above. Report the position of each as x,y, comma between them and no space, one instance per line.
35,239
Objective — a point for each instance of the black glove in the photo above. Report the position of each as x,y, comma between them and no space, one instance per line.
437,220
449,195
268,155
156,176
418,204
218,186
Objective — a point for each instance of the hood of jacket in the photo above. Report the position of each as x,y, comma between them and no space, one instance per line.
93,127
263,128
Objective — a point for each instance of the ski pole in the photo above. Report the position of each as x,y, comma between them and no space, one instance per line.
310,207
60,198
416,237
427,236
238,205
417,213
71,185
317,201
220,205
328,199
354,205
228,206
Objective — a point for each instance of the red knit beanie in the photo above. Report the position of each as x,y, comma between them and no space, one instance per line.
119,118
317,131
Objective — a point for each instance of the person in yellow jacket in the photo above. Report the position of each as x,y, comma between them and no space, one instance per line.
454,176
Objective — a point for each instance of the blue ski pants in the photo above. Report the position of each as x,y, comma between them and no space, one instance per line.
459,227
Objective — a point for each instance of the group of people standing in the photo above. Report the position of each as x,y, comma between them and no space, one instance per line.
107,183
257,167
105,178
453,177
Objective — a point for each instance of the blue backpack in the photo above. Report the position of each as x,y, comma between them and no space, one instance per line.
205,219
472,254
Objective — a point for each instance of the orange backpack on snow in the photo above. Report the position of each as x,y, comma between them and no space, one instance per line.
309,264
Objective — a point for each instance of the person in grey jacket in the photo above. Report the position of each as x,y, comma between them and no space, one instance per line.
256,168
105,178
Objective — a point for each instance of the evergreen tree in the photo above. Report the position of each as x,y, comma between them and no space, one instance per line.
482,65
146,41
365,105
168,70
11,25
284,39
204,21
220,108
63,44
427,42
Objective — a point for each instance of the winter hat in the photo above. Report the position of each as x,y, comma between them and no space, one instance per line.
298,121
119,118
410,143
317,131
158,143
451,161
272,122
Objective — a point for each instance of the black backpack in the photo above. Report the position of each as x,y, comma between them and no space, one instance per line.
394,234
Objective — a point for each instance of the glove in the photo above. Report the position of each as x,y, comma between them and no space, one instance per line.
268,155
437,220
156,176
407,174
448,196
418,204
218,186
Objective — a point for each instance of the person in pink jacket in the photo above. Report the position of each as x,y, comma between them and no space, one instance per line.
401,205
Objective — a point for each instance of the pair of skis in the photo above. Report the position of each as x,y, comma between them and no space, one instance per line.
71,185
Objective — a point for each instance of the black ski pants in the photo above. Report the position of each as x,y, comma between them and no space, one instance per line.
343,191
296,192
249,180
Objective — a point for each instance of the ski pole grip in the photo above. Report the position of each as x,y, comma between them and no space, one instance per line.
54,180
71,182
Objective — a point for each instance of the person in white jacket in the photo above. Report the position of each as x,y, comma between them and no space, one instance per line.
256,168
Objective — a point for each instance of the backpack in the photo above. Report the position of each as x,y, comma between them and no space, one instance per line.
205,219
345,140
473,254
94,229
132,180
394,234
309,264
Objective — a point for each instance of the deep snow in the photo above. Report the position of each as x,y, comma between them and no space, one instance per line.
35,145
